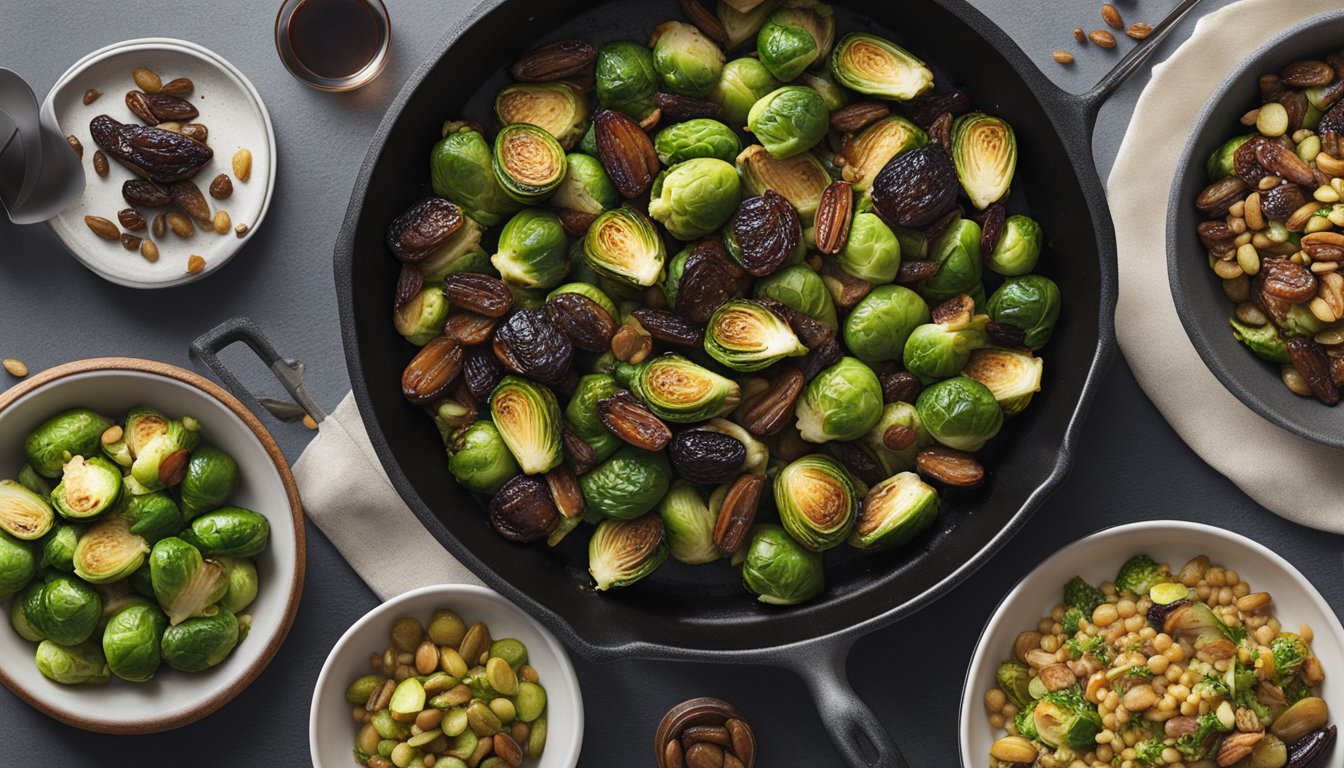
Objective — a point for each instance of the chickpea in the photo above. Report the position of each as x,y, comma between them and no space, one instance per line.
1050,643
1009,710
1175,653
1125,608
996,720
1215,577
995,699
1306,633
1231,577
1158,664
1105,615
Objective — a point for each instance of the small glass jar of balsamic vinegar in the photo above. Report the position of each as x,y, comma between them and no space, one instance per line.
333,45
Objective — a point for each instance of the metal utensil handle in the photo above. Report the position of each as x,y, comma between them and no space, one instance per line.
858,735
1133,61
206,348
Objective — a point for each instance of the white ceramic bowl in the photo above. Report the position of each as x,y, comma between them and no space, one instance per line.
331,731
1097,558
230,107
112,386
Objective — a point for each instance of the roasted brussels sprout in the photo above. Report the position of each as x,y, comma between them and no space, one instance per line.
212,475
18,564
843,402
626,78
799,179
184,583
1065,719
1138,575
678,390
1013,377
65,610
743,20
34,482
960,413
895,511
959,263
984,150
1029,303
938,350
131,642
109,552
72,663
162,463
779,570
527,417
688,62
533,250
228,532
688,524
893,456
241,576
794,37
479,460
701,137
817,501
622,552
628,484
200,643
746,335
586,187
880,323
23,514
1265,341
742,83
789,121
694,198
867,152
558,107
422,318
625,246
1018,249
581,412
1222,161
87,488
801,290
872,252
529,163
461,169
76,432
877,67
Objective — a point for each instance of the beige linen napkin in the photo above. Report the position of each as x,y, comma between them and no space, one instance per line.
348,496
1292,477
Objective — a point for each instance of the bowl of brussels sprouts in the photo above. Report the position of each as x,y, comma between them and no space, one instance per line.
151,545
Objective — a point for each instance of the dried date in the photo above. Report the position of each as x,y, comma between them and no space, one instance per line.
923,110
915,188
738,512
469,328
187,196
1219,196
145,193
557,61
1311,361
1281,202
1217,237
475,292
857,460
769,411
415,234
565,491
707,281
1006,335
1244,163
481,371
138,103
677,107
991,228
846,289
950,467
669,327
538,348
163,107
409,283
1283,162
632,421
1283,280
706,22
580,455
702,456
155,154
131,219
523,511
859,115
626,152
583,320
766,230
576,223
221,187
900,387
835,212
432,371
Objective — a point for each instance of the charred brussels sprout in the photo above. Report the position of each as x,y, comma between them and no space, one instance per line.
1029,303
742,21
109,552
779,570
87,488
939,350
877,67
480,460
75,432
142,426
843,402
794,37
1013,678
528,419
624,245
799,179
689,525
688,62
959,263
627,485
131,642
161,463
626,78
533,250
678,390
894,512
872,252
582,413
817,501
528,162
72,664
789,121
200,643
559,108
880,323
1013,377
23,514
1065,719
866,153
895,460
1265,341
694,198
747,336
461,169
960,413
984,150
229,532
184,583
1222,161
241,576
18,563
422,318
65,610
622,552
701,137
742,83
586,187
1138,575
801,290
211,476
1018,249
58,548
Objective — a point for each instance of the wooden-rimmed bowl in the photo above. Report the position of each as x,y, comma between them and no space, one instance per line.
112,386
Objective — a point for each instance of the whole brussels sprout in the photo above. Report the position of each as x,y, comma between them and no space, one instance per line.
25,604
17,565
148,468
461,170
229,532
72,664
1018,249
153,516
789,121
742,83
895,511
109,552
678,390
843,402
1221,162
65,611
184,583
528,162
960,413
878,67
200,643
76,432
880,323
688,62
461,252
1014,377
624,245
832,95
479,460
800,179
626,78
131,642
558,107
527,417
1030,303
241,576
694,198
581,412
779,570
87,488
533,250
817,501
984,151
422,318
586,187
897,414
701,137
688,524
801,290
142,581
627,485
872,252
23,514
960,267
873,147
1265,340
743,20
794,37
622,552
58,548
747,336
939,350
212,474
34,482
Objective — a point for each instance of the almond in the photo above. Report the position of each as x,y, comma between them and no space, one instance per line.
1102,38
950,467
557,61
705,21
834,214
1139,30
149,251
91,96
859,115
102,227
178,87
148,80
1111,15
73,141
431,371
626,152
189,198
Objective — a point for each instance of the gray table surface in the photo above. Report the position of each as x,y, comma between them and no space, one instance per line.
1131,466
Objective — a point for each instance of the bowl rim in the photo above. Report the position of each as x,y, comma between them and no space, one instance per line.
391,605
210,389
1187,528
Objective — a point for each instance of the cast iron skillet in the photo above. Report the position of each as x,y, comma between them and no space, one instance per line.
1197,291
703,614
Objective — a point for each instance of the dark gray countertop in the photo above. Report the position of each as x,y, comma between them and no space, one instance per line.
1131,466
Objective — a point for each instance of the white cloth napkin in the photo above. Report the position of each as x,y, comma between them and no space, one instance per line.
348,496
1292,477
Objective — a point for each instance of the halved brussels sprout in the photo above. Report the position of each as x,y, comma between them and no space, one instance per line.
153,468
794,37
960,413
688,524
65,610
528,419
746,336
789,121
624,245
627,485
1265,341
18,563
742,83
817,501
758,453
701,137
1018,248
877,67
200,643
184,583
626,78
422,318
779,570
118,452
581,412
959,262
801,290
872,252
23,514
874,146
131,642
461,252
72,664
143,424
34,482
897,414
109,552
559,107
799,179
694,198
678,390
241,576
880,323
87,488
843,402
528,162
895,511
622,552
1221,162
1029,302
533,250
586,187
461,168
480,461
229,532
984,151
688,62
1064,719
58,548
76,432
1012,376
936,351
743,20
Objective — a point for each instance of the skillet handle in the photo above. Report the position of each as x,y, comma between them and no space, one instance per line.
858,735
205,351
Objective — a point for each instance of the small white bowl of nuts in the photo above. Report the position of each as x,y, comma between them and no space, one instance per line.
179,158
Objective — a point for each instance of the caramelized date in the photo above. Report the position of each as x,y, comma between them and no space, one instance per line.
626,152
162,107
851,289
415,234
409,283
536,345
145,193
950,467
565,491
1311,361
1219,196
1332,121
766,230
702,456
769,411
915,188
579,454
1281,202
189,198
708,280
1244,163
738,513
632,421
669,327
676,107
523,510
1217,237
1283,280
556,61
469,328
432,371
991,227
576,223
900,387
155,154
857,460
482,294
137,102
1283,162
923,110
481,371
582,320
1005,335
